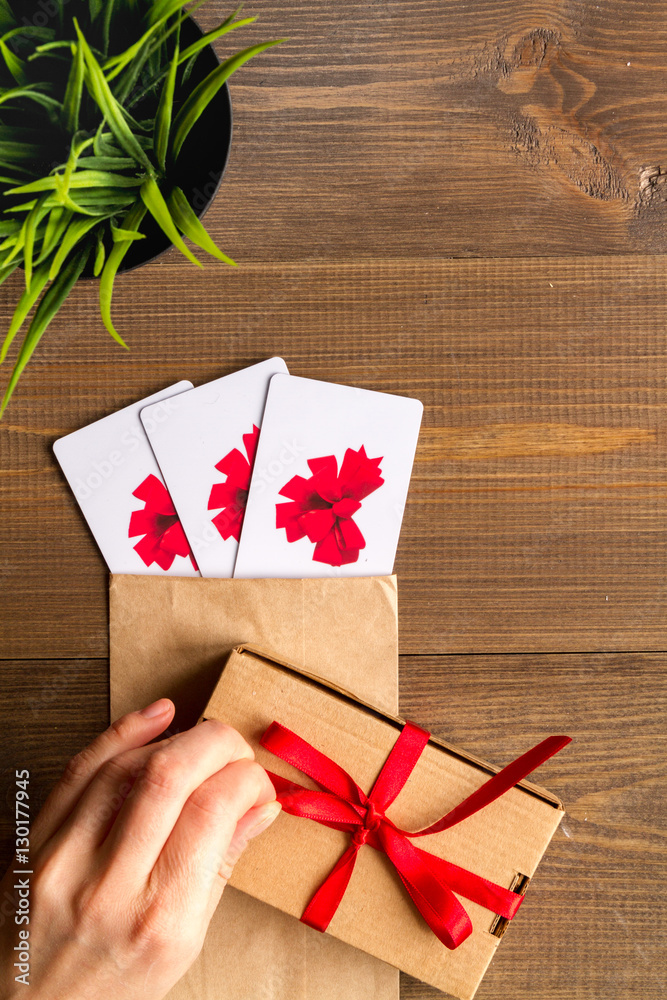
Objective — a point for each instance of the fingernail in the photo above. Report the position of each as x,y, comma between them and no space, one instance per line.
265,818
159,707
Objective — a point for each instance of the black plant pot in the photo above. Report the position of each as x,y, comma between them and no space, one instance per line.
201,162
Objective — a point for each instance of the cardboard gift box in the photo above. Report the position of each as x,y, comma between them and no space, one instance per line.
501,843
168,636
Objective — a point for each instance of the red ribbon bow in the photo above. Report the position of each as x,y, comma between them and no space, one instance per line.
158,522
430,881
323,505
232,495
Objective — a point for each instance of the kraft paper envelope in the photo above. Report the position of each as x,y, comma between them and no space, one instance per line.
169,636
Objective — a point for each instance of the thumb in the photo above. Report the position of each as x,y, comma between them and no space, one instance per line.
256,821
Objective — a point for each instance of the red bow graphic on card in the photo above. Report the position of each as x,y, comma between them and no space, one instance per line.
158,522
324,505
232,495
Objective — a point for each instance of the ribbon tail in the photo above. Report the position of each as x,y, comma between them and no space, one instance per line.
325,902
436,902
480,890
499,784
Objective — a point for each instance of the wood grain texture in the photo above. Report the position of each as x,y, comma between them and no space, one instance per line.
466,203
537,509
50,710
590,926
488,129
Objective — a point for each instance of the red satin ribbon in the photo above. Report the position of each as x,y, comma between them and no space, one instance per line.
430,881
158,522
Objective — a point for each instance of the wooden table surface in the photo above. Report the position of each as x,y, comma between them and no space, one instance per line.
463,202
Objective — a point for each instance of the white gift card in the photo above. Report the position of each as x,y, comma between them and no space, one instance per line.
116,481
205,447
330,481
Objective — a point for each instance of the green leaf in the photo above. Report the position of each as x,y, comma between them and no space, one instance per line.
30,92
18,152
5,272
30,228
187,70
79,179
7,19
53,223
131,223
78,146
157,206
161,10
52,46
74,91
9,226
25,304
59,220
51,303
109,11
26,31
9,242
164,113
16,66
112,163
100,256
117,64
200,98
207,39
105,195
95,8
150,49
101,202
139,93
187,221
20,241
122,235
21,135
109,106
26,207
76,231
104,144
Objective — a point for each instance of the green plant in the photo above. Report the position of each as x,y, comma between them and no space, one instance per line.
91,132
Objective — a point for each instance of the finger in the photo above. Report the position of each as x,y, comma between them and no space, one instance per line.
171,775
130,731
255,821
204,845
92,817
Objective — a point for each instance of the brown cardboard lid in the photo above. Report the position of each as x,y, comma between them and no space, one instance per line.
395,720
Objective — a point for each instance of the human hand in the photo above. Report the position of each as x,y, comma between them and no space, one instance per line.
130,855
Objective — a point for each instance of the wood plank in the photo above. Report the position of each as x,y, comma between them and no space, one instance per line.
539,499
590,926
50,710
454,129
